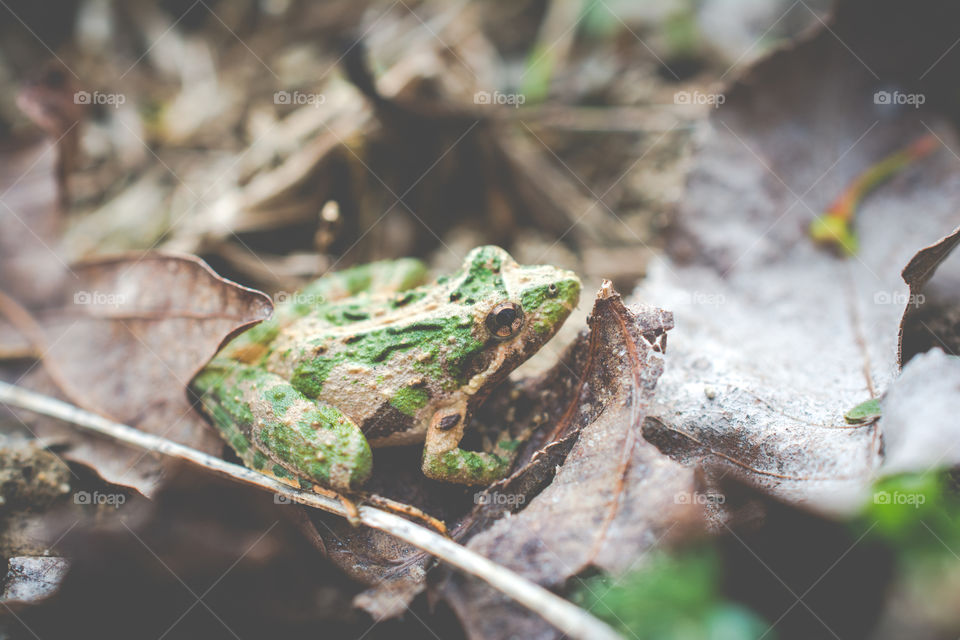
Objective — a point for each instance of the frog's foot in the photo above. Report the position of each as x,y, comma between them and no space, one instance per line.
444,460
465,467
408,511
273,427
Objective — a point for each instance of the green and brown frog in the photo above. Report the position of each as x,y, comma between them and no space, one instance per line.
366,358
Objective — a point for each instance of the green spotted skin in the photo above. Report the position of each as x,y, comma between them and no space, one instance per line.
369,357
258,412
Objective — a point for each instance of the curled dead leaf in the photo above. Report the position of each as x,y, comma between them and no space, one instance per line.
598,494
931,315
124,341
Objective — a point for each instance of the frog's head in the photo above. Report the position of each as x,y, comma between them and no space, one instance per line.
516,308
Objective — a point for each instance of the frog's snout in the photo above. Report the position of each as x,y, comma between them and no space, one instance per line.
548,306
571,286
565,293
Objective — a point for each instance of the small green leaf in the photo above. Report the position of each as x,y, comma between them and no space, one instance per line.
864,412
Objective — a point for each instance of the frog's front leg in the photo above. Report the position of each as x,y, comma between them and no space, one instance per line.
265,419
443,459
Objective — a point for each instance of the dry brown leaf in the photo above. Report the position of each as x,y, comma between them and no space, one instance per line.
31,268
613,497
125,340
932,313
31,578
777,338
33,196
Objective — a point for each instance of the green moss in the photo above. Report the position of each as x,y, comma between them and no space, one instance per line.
259,460
408,399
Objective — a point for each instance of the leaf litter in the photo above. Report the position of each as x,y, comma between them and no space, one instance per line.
776,338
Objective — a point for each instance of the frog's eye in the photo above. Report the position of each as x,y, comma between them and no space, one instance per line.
505,320
553,290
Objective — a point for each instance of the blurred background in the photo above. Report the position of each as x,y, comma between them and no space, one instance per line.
223,129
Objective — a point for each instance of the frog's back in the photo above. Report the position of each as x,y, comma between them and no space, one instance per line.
335,299
380,359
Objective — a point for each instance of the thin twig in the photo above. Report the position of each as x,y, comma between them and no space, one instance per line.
568,618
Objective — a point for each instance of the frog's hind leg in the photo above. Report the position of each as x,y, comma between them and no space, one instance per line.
274,427
444,460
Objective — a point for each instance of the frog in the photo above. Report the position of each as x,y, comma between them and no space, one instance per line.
376,356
